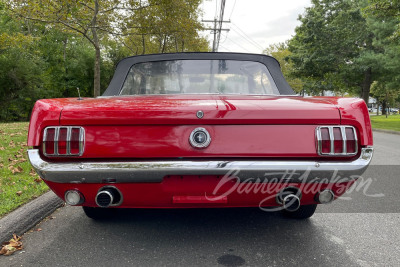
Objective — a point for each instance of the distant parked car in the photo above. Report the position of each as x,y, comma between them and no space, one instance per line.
181,130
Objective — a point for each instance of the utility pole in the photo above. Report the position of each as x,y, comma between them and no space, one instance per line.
216,31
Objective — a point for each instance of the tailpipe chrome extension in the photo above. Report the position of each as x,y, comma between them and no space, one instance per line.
289,198
108,196
291,203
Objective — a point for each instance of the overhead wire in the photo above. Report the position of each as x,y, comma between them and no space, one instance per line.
239,45
234,4
221,18
247,37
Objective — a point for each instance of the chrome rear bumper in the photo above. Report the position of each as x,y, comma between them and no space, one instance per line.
155,171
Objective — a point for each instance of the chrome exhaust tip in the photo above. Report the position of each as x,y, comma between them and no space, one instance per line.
291,203
108,196
289,198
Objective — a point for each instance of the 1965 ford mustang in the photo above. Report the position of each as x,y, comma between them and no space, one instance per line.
197,130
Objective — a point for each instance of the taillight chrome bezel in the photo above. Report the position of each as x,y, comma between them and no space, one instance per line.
332,140
68,141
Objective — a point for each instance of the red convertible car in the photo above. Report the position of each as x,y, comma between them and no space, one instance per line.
200,130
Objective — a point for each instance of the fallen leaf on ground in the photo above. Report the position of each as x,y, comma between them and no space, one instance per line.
11,246
38,180
19,193
16,170
2,148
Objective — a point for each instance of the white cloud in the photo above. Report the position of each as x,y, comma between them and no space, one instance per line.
255,24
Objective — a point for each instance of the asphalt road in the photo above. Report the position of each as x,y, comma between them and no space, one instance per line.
361,230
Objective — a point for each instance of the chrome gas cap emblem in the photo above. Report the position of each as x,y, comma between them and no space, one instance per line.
200,138
200,114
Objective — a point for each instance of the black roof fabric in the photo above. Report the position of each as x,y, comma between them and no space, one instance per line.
124,66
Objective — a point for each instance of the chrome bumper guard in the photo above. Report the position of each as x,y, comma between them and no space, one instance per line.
245,170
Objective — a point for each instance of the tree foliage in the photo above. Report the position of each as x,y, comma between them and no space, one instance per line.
345,45
156,21
49,48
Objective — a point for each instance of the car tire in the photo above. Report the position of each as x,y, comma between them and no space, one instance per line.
99,213
304,212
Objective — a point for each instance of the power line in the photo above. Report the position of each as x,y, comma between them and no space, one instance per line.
221,18
234,4
247,36
239,45
248,40
225,48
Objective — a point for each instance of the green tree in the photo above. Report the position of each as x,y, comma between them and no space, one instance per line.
281,53
89,18
164,26
333,48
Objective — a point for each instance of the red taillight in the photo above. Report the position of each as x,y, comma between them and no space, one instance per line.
351,141
336,140
48,142
63,141
75,143
326,141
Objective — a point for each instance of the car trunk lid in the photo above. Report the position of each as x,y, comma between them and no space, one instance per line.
182,110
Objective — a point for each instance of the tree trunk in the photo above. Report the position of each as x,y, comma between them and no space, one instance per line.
366,85
65,42
144,45
164,43
384,107
96,82
96,91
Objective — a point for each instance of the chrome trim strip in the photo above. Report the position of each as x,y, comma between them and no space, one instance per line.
332,137
344,138
155,171
319,140
69,129
81,140
56,136
44,141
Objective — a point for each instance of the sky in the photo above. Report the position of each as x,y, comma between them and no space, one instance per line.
255,24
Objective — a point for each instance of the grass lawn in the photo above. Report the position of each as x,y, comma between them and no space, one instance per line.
392,122
19,183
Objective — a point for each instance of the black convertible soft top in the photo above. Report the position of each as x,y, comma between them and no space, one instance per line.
125,65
